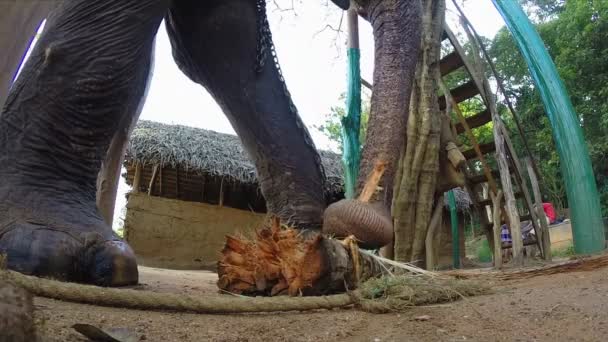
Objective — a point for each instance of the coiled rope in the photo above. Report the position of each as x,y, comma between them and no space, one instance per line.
147,300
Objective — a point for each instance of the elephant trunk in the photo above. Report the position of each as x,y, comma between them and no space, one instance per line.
397,28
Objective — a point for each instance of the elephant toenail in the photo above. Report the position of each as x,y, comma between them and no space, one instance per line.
113,263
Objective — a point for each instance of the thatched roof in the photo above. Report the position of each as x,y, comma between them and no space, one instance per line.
204,151
222,155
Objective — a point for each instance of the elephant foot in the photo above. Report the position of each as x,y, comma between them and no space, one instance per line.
90,253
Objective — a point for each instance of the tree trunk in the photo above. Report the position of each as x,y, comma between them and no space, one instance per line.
416,179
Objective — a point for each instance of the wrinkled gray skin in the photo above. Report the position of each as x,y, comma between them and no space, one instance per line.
85,81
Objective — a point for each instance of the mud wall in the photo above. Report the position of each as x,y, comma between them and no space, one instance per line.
177,234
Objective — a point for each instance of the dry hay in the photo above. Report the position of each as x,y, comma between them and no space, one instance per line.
398,293
576,264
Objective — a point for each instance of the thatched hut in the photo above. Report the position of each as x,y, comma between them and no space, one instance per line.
191,187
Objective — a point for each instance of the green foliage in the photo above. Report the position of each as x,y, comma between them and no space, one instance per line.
563,252
484,253
332,126
575,34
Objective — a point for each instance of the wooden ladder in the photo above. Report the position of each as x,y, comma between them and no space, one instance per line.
510,171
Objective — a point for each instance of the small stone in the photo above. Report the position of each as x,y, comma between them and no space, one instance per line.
422,318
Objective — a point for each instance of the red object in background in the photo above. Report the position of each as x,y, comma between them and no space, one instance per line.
549,211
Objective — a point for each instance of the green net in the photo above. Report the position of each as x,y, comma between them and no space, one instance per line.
455,235
351,124
581,189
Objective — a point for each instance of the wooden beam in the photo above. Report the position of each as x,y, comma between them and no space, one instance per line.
486,202
507,187
160,181
486,169
153,179
496,229
461,93
499,81
484,148
478,179
177,181
450,63
203,188
467,63
521,182
221,204
366,84
545,237
137,178
475,121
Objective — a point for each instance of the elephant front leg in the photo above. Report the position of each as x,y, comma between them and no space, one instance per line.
87,74
226,46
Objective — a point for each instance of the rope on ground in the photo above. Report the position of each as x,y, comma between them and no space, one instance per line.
147,300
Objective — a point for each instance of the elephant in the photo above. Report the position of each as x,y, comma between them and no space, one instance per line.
85,82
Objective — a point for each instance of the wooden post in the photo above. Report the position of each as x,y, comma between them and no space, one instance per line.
153,179
202,187
137,177
160,180
510,201
538,201
496,206
429,244
177,181
222,192
521,182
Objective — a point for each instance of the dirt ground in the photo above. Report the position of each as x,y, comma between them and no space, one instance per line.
563,307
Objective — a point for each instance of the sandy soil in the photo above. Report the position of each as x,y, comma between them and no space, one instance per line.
563,307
